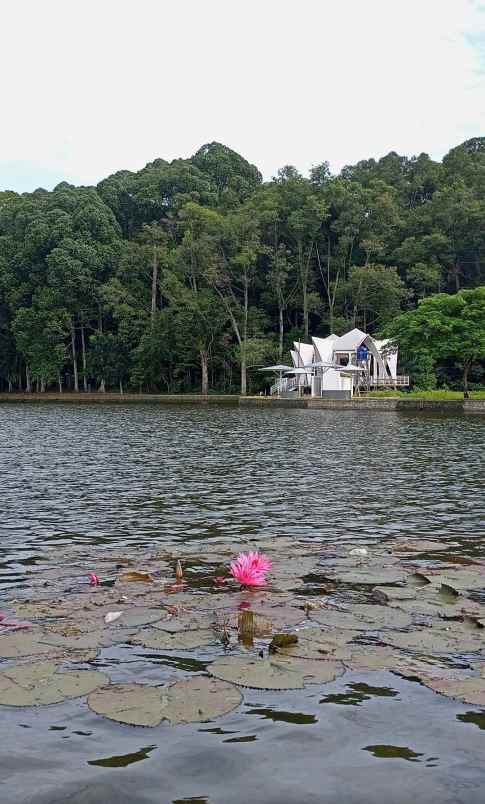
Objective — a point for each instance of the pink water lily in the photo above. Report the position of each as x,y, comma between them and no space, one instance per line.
250,568
93,579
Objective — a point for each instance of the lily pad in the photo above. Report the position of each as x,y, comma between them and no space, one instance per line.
138,615
316,643
419,546
135,704
333,618
471,689
314,671
263,674
375,616
195,699
439,641
182,640
367,658
370,577
390,594
41,683
134,576
198,699
22,644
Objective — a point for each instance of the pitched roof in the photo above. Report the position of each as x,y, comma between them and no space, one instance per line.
350,341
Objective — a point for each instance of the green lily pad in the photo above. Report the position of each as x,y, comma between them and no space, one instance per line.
198,699
41,683
376,616
135,704
365,658
314,671
262,674
471,689
391,594
195,699
439,641
337,619
316,643
137,616
370,577
182,640
21,643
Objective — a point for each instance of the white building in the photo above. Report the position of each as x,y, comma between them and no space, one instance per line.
341,366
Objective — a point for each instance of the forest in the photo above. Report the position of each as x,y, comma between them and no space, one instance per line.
190,275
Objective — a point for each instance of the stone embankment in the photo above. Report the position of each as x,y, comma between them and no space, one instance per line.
114,398
455,406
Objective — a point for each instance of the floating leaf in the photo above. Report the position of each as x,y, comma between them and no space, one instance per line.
183,640
374,577
438,641
337,619
139,615
135,704
419,546
381,616
134,576
198,699
22,644
190,700
471,689
367,657
41,684
261,674
314,671
390,594
316,643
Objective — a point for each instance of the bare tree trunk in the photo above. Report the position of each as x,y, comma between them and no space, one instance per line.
121,386
74,356
466,369
28,381
154,280
204,366
42,385
83,347
244,340
102,386
282,330
59,381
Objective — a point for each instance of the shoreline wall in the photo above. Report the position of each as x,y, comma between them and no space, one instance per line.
387,404
97,398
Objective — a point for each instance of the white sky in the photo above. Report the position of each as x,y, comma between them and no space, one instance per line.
90,87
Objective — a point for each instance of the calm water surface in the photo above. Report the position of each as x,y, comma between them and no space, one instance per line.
128,475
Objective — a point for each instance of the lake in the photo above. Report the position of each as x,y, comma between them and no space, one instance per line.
134,477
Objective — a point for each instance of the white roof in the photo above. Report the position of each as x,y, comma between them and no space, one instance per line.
350,341
324,347
304,353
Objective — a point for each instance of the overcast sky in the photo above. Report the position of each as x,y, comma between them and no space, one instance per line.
90,87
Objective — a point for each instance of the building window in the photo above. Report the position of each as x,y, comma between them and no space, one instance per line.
343,360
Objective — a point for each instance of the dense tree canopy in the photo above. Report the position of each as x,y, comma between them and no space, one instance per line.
188,274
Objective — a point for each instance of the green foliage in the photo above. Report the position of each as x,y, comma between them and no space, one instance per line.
445,326
190,274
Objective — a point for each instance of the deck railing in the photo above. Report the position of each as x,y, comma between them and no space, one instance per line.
390,382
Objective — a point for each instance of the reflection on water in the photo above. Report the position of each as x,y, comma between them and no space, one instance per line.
477,718
393,752
358,694
297,718
135,474
197,800
123,760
